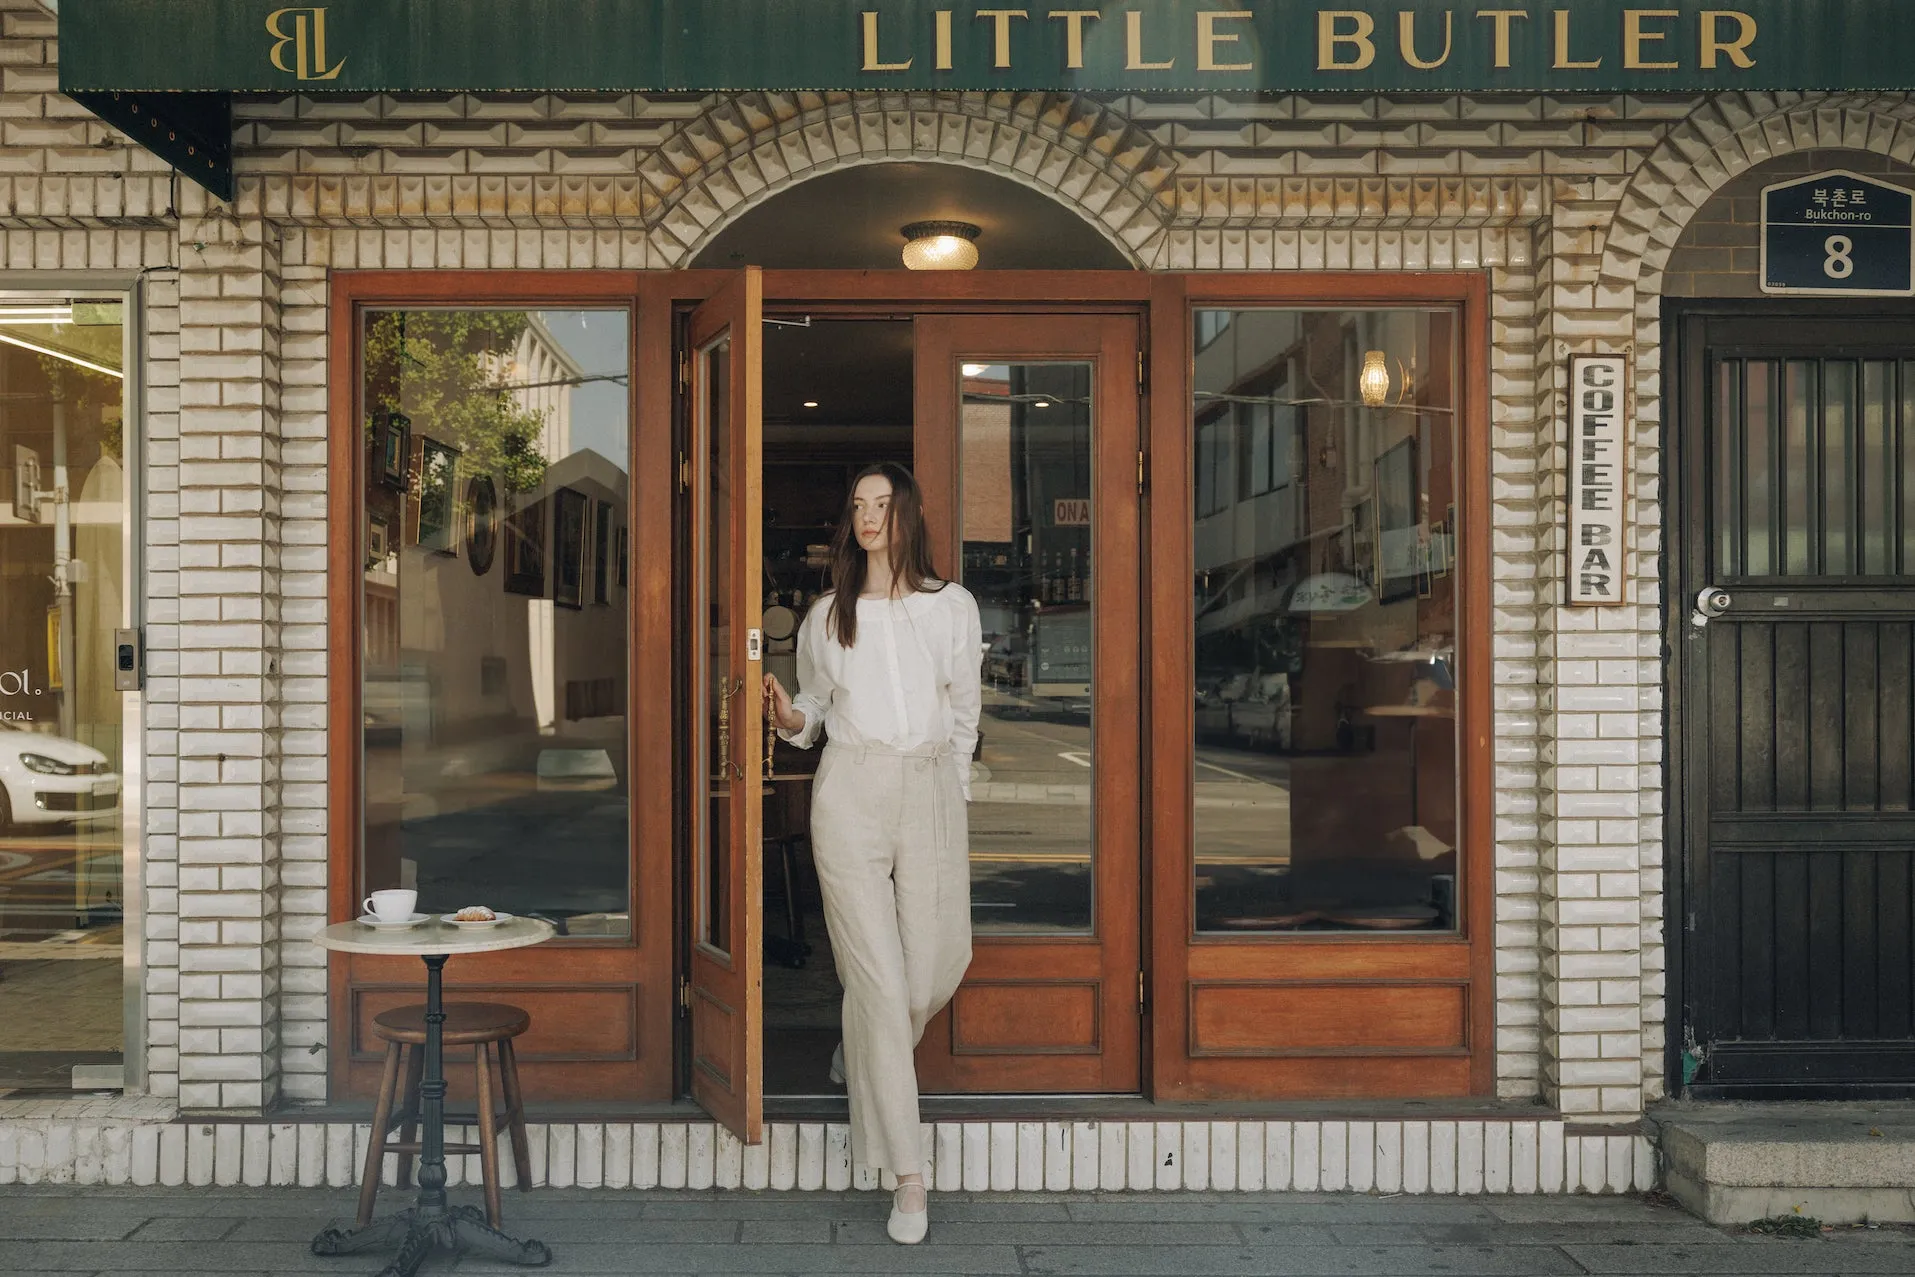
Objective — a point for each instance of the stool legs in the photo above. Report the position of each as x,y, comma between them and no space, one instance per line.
376,1146
488,1135
515,1109
408,1134
401,1105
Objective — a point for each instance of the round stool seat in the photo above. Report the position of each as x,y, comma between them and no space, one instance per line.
465,1023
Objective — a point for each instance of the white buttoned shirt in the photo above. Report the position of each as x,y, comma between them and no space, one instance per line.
914,677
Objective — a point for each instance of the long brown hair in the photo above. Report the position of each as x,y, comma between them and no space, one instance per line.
909,545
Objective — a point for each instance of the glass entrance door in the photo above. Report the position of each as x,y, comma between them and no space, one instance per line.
65,585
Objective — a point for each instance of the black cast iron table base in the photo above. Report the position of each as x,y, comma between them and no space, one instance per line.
431,1224
460,1228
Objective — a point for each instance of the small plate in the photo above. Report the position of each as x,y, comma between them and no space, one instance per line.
380,924
452,920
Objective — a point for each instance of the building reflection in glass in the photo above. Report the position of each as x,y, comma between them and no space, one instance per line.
1325,617
496,508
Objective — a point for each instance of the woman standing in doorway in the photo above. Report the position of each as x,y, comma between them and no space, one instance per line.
888,664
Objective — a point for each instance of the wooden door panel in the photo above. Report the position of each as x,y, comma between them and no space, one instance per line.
726,969
1056,1011
1330,1017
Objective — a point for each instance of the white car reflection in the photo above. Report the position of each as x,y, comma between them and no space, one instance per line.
49,780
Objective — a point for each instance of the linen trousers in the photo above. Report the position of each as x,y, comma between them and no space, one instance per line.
891,841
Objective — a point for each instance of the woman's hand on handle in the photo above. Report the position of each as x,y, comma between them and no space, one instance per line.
778,705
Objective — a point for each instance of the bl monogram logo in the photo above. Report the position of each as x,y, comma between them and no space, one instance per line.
306,40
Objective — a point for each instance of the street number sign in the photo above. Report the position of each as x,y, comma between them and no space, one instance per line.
1838,234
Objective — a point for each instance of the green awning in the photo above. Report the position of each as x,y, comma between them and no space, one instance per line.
173,62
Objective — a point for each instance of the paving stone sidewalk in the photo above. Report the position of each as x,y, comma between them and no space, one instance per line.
196,1232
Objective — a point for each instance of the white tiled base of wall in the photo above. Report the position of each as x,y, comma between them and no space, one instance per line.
1448,1157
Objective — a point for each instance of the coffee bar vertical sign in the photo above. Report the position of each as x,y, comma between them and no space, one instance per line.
1598,491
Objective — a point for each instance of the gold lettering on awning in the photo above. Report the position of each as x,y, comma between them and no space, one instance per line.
1406,36
1329,38
871,62
1073,20
1713,44
1208,38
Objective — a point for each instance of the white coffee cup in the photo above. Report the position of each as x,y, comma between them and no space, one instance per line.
391,906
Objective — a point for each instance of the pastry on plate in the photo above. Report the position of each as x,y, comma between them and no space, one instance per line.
475,913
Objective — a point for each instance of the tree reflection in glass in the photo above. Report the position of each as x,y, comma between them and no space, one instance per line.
494,721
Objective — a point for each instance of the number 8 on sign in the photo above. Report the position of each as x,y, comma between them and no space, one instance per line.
1838,264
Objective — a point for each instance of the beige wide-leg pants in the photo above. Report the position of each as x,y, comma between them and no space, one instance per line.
892,846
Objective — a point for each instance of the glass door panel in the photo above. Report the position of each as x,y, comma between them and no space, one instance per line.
1027,445
726,982
64,579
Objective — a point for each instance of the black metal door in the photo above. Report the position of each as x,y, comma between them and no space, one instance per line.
1793,637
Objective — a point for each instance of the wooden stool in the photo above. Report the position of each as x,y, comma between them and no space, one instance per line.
478,1025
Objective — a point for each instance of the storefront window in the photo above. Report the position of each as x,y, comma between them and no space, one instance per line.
1326,620
496,508
63,491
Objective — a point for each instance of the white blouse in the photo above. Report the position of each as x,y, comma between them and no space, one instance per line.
913,678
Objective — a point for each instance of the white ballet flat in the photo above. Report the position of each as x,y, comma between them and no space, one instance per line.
907,1228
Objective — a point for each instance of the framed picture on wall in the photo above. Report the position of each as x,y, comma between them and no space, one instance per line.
525,551
438,468
570,511
378,545
481,523
1398,539
602,568
391,448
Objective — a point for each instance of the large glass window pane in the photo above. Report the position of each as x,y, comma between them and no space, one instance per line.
1026,449
1326,626
63,490
496,768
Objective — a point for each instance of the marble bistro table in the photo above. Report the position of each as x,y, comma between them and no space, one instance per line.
430,1224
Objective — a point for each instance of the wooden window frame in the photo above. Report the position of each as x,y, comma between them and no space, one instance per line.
1185,962
1175,959
626,969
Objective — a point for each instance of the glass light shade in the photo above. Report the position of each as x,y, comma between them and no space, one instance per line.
1374,382
940,246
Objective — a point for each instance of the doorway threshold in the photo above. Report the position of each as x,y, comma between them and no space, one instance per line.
1137,1108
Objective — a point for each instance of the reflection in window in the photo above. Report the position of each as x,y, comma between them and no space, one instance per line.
1026,449
1325,605
63,585
496,528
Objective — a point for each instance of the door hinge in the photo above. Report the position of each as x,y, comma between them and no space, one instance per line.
684,996
1143,471
684,371
684,473
1143,375
1141,999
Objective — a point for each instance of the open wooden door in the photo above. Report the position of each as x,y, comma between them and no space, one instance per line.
726,966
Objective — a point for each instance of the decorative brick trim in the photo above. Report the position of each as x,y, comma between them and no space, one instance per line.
1414,1157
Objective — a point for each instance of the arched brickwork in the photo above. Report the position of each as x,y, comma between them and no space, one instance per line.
747,147
1724,137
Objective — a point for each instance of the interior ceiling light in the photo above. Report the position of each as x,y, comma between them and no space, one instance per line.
32,314
976,370
940,245
811,403
1374,381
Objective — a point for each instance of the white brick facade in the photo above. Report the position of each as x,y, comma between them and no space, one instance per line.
1572,205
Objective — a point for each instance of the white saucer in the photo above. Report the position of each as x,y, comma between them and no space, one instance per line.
380,924
452,920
